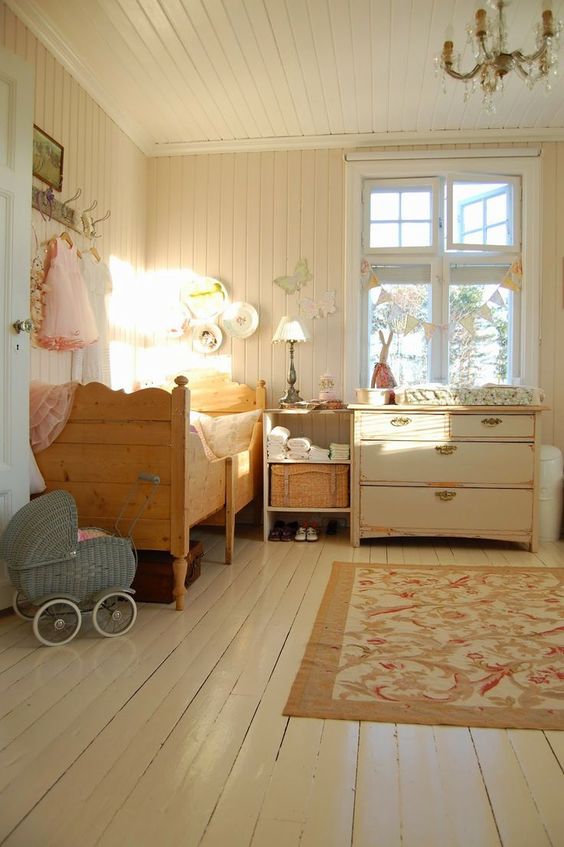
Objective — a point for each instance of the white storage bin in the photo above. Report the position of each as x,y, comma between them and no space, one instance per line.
550,493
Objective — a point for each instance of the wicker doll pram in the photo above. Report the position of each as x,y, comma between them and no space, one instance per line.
57,577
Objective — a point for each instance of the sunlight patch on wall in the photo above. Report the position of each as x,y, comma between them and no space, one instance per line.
151,330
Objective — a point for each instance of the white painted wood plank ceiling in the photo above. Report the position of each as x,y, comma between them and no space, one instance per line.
196,75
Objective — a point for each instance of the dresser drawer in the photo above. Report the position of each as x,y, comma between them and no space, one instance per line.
472,510
425,427
492,426
449,463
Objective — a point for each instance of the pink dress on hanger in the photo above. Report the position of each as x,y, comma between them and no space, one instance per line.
68,321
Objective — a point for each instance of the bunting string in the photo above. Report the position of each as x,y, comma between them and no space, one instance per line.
406,322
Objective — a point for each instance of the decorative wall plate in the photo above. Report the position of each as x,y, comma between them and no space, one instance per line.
240,320
207,338
205,297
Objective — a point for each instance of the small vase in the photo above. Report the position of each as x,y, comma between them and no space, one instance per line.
327,387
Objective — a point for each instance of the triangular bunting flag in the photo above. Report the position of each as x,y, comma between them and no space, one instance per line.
384,297
429,330
410,324
396,314
509,282
497,298
368,278
485,312
514,277
468,323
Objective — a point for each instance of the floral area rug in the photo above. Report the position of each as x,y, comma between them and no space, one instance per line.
468,646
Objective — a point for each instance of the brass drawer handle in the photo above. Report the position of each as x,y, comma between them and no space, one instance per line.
445,496
446,449
400,421
491,421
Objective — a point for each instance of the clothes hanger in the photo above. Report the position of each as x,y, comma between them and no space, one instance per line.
64,236
95,253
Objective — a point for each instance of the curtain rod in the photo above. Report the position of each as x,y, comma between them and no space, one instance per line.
473,153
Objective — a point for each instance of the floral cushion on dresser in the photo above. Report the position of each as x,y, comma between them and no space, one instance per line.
226,435
470,395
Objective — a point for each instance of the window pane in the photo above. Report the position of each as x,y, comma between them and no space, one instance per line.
416,205
468,200
480,355
384,206
474,237
384,235
415,235
496,209
409,354
473,217
497,234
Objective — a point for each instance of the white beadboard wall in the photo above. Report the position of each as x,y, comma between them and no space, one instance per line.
247,218
552,293
100,159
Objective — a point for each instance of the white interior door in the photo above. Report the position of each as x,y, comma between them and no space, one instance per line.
16,132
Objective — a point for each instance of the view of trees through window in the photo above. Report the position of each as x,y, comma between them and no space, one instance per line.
408,357
481,355
450,318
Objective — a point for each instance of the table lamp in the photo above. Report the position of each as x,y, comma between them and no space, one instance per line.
291,331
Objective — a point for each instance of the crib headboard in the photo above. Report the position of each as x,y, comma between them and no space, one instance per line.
109,439
214,393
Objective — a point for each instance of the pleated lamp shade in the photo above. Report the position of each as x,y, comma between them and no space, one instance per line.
290,329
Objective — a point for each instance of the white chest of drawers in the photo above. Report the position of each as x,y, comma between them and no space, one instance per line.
465,471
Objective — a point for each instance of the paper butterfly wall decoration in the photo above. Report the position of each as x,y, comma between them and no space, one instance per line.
300,277
320,308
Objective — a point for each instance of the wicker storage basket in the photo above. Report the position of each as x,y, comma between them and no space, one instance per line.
309,487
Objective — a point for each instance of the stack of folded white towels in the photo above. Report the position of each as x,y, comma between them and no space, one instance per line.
277,439
318,454
299,449
339,452
281,447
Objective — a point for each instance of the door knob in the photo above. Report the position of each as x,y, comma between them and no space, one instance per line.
23,326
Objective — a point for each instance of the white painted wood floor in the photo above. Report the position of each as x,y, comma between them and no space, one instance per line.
173,734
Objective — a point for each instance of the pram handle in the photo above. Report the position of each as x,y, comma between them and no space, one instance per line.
149,477
143,476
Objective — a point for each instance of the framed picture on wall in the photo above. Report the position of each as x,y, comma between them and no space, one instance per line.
47,159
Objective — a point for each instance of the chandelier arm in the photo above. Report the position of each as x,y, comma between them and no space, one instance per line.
522,58
456,75
489,55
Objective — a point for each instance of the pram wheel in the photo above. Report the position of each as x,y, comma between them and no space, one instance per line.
23,607
57,622
114,614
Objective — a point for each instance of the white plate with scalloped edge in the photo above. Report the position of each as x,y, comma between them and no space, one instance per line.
206,338
240,320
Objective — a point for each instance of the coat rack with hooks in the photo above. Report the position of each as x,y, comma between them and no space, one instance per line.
52,209
89,223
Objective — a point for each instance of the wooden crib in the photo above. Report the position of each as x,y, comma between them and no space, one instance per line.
111,437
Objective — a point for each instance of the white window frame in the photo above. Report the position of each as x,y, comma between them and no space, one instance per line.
515,182
521,163
435,270
432,184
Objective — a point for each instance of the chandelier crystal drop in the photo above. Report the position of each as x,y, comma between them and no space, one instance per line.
488,37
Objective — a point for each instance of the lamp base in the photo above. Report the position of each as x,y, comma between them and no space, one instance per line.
291,396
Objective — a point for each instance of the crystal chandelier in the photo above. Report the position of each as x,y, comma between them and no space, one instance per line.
488,37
